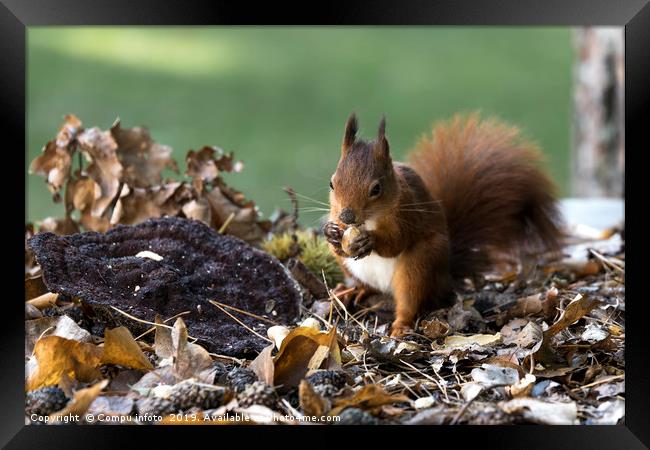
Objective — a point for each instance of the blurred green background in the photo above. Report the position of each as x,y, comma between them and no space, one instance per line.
279,97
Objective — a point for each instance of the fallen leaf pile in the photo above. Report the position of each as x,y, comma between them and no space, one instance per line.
121,182
547,349
561,363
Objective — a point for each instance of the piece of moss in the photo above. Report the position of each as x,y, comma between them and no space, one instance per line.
314,253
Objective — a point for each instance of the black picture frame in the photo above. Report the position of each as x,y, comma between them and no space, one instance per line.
634,15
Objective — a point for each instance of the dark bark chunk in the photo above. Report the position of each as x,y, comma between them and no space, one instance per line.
198,265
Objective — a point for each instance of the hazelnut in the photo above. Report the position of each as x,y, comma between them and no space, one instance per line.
350,234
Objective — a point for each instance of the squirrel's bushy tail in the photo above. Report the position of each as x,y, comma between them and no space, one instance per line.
494,194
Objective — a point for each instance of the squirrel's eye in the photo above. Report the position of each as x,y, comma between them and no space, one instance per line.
331,185
375,190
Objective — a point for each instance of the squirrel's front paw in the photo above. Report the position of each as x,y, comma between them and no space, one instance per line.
333,233
361,245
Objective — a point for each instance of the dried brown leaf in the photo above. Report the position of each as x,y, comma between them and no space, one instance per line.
98,224
56,160
205,164
388,349
476,339
198,210
34,287
201,165
163,343
172,196
539,411
522,333
302,350
244,223
164,192
81,194
368,397
526,305
549,304
312,403
120,348
57,356
507,360
105,169
44,301
61,326
489,375
190,360
608,413
435,328
461,317
137,205
143,158
68,131
156,377
575,310
53,164
263,365
60,227
112,405
579,307
523,387
81,401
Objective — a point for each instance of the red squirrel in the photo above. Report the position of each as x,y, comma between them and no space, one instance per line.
472,188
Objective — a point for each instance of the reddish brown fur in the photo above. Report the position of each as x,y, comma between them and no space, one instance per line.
493,193
473,187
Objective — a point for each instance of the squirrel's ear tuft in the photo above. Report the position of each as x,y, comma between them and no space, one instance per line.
382,128
351,127
382,143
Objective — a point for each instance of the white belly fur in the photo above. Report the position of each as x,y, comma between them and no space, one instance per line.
373,270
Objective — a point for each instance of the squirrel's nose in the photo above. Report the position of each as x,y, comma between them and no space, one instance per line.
347,216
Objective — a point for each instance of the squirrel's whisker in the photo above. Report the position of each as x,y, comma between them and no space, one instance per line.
311,199
422,203
314,208
419,210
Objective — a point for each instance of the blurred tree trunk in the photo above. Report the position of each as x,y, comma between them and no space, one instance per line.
598,165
